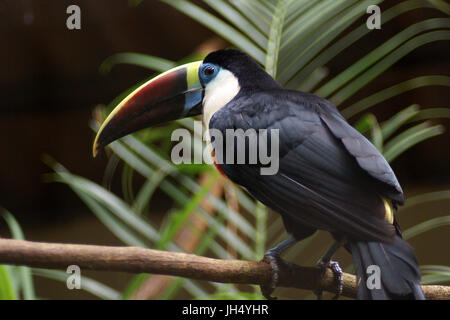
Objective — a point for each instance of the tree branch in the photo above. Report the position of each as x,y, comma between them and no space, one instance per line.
140,260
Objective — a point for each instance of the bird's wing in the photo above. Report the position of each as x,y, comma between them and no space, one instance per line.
320,183
365,153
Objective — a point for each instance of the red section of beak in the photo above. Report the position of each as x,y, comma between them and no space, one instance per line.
160,101
160,92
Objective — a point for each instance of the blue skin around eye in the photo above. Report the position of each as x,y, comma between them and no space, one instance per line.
204,78
195,97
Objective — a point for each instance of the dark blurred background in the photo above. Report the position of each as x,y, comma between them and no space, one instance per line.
50,83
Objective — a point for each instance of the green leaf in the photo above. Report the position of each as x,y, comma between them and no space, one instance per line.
193,168
181,216
240,21
296,10
435,279
127,184
393,49
370,122
226,295
273,45
435,269
426,197
137,59
409,138
441,5
402,87
431,113
144,196
423,39
205,243
435,274
6,286
116,206
13,225
310,37
218,26
426,226
250,11
117,227
261,231
182,198
87,284
311,81
133,285
187,182
110,169
304,25
393,124
411,114
25,278
330,50
95,196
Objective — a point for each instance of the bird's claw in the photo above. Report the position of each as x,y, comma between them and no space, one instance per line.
338,277
272,259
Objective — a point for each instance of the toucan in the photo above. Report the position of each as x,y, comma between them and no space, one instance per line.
329,177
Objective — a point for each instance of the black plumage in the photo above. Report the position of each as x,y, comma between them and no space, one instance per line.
330,176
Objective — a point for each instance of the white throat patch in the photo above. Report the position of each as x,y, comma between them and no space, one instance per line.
221,90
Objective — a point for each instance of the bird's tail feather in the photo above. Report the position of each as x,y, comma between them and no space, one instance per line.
394,263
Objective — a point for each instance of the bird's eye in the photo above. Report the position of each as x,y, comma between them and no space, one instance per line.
209,71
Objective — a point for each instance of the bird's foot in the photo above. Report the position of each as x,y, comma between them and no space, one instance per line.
272,258
338,277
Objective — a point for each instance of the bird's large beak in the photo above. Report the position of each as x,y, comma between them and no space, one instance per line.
172,95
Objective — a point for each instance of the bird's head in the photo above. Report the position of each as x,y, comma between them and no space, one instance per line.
201,87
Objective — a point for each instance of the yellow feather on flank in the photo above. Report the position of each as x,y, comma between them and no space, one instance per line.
389,210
